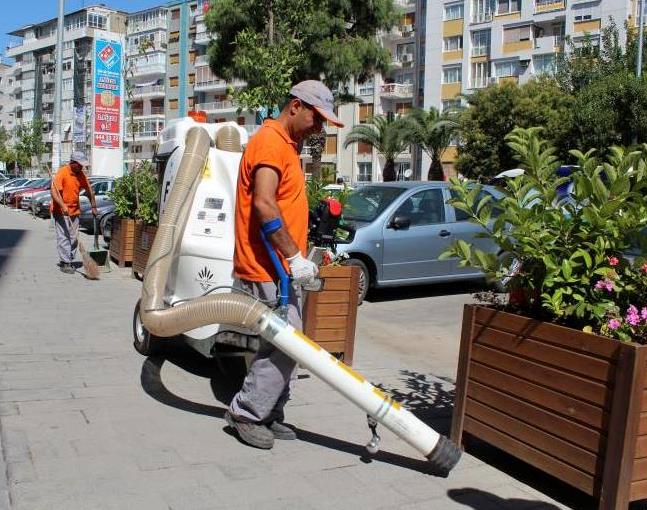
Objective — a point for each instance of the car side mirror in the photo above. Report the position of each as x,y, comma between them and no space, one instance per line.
400,223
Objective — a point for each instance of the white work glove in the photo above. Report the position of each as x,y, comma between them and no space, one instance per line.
303,271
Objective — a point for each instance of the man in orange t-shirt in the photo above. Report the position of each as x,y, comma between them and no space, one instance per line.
271,196
65,208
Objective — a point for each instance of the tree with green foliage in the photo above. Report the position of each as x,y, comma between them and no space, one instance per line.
496,110
432,132
272,44
611,101
386,135
29,143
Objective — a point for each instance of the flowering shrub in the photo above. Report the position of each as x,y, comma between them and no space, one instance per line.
567,257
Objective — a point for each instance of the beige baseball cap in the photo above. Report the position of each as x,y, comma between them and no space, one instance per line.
317,95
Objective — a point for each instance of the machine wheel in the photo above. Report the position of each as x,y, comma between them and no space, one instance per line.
144,343
364,278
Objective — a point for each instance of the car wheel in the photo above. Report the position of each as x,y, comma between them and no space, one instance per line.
364,278
144,343
105,227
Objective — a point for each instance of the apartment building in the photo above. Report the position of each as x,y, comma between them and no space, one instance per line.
393,94
146,60
471,44
7,97
34,51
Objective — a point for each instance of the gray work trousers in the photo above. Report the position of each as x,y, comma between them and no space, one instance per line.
266,389
67,231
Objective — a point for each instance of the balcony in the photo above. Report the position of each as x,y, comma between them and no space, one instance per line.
149,91
406,4
216,84
549,5
217,107
149,69
144,26
202,60
480,51
202,38
482,82
482,17
48,98
397,91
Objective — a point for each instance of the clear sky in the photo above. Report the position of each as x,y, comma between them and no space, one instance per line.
16,14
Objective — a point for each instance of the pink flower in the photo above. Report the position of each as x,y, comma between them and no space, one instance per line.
605,284
614,324
643,313
643,268
632,317
613,261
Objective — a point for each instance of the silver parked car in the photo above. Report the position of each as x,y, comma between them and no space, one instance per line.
401,228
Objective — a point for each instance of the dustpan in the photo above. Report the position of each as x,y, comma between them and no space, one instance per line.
98,255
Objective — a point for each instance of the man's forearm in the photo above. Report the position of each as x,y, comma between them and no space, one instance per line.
281,239
57,198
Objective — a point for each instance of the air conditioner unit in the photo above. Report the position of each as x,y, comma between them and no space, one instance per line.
492,80
523,63
406,57
406,29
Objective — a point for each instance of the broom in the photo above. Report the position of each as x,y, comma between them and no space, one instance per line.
89,265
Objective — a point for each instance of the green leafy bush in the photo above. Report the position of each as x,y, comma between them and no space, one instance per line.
135,195
570,255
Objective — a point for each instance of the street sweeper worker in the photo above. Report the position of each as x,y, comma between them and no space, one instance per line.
271,197
65,209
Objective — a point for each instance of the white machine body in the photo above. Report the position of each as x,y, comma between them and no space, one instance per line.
205,258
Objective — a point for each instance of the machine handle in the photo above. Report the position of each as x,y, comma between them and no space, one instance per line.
284,279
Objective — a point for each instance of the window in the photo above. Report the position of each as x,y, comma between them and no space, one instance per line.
508,68
544,64
424,208
67,105
508,6
404,52
68,45
175,14
559,34
174,59
365,112
172,104
401,168
517,34
75,22
192,78
97,20
192,56
67,65
404,78
480,43
68,84
453,43
174,37
364,172
364,148
582,17
482,10
480,74
402,108
463,216
451,104
173,81
452,74
367,88
453,11
331,145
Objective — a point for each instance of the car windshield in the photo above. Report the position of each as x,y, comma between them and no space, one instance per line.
38,183
367,203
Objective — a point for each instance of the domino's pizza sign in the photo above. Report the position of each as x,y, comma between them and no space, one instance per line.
107,94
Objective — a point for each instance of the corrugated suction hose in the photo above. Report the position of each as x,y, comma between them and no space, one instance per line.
160,320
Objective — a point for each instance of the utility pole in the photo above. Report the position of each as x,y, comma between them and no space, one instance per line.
58,89
641,24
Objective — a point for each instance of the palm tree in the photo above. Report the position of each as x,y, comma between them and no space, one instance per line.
385,134
432,132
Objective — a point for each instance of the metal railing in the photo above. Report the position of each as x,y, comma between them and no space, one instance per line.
397,90
216,106
149,89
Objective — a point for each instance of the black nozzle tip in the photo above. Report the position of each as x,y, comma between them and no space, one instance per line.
444,456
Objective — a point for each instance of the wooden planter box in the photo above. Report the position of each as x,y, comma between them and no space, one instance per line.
569,403
329,316
144,236
122,240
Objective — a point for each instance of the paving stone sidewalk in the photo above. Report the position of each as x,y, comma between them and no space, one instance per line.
87,423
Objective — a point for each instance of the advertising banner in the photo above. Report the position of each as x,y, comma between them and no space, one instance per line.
107,94
78,128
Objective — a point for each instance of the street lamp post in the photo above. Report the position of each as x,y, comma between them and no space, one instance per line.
58,86
641,23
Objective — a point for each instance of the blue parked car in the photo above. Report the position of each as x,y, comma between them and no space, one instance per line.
402,228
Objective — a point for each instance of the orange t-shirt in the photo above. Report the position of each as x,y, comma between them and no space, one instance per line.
69,184
271,146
